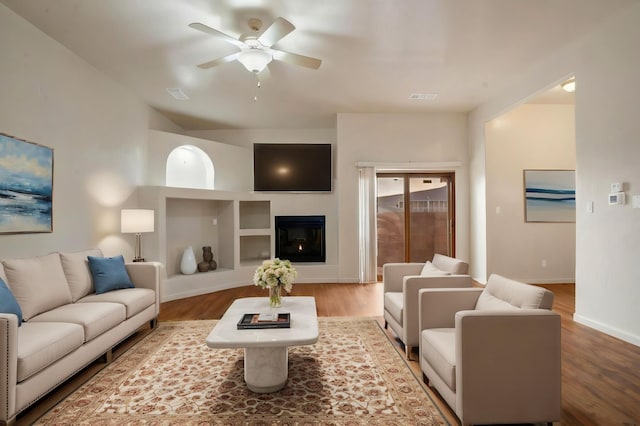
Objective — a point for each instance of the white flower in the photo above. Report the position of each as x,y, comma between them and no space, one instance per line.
275,272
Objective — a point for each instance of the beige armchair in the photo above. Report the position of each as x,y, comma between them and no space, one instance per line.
493,354
401,282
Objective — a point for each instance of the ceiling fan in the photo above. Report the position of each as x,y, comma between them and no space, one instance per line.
256,52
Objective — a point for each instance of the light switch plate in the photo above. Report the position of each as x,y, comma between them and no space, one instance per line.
635,201
616,187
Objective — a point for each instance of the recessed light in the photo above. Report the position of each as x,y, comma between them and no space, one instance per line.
177,93
569,85
423,96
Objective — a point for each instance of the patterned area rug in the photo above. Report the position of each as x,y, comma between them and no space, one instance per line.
352,376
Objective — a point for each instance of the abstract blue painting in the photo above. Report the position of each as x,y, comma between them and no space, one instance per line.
26,186
550,195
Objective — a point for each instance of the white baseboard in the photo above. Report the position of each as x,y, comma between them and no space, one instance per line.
611,331
549,281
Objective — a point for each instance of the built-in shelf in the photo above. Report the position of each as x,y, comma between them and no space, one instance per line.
238,227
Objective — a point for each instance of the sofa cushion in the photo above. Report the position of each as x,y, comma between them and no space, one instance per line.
450,264
40,344
393,303
8,303
95,318
38,283
429,269
505,293
438,348
109,273
135,300
76,268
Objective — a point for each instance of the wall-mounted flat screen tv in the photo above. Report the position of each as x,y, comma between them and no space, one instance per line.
297,167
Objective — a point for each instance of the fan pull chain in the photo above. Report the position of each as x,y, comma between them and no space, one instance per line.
255,98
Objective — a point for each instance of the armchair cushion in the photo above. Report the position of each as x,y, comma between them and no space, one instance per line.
438,348
450,264
506,294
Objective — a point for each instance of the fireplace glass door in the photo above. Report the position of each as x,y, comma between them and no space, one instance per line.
414,215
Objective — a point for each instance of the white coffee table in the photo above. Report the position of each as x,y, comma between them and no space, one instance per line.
266,360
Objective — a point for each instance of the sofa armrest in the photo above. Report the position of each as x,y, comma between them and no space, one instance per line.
410,287
393,273
438,306
8,365
147,275
508,366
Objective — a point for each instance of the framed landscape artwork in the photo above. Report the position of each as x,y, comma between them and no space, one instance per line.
26,186
550,195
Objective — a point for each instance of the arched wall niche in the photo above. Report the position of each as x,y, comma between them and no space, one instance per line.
189,167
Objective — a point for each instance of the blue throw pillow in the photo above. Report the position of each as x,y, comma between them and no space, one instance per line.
109,273
8,302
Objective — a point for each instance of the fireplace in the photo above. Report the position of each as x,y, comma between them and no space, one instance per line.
300,238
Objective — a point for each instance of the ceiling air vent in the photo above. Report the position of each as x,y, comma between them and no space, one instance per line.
423,96
178,94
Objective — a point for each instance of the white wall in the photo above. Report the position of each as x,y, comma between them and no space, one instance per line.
232,164
605,63
98,132
531,136
325,204
397,138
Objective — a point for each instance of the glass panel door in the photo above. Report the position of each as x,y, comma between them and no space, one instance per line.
390,220
426,227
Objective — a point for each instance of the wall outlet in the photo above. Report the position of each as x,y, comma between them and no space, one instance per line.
543,263
214,221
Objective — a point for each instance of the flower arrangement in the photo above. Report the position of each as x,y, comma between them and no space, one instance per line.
275,275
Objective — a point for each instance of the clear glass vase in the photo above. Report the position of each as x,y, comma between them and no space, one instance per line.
275,297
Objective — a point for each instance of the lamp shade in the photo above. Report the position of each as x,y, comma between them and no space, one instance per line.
255,60
135,221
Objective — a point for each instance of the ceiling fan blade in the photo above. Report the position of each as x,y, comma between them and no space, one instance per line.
276,31
295,59
205,29
220,61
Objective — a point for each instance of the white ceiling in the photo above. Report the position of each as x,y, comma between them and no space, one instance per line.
374,53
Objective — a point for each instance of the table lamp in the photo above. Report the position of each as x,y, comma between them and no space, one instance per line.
136,221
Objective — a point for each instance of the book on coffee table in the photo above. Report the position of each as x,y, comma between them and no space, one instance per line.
256,321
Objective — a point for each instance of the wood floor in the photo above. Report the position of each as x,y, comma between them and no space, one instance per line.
600,374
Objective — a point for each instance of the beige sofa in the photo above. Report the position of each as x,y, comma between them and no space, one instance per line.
493,354
66,324
401,282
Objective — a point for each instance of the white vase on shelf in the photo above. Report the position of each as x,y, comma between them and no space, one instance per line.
188,263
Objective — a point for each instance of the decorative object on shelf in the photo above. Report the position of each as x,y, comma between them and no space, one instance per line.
136,221
188,263
275,275
26,173
207,264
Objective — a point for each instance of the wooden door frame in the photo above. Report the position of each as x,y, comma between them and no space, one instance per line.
451,177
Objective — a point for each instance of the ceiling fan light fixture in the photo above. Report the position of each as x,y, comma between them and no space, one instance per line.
569,85
255,60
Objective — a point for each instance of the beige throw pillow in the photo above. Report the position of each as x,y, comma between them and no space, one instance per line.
38,283
76,269
430,270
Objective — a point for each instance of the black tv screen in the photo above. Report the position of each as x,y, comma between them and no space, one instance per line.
291,167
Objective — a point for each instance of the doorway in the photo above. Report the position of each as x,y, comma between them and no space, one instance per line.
414,216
